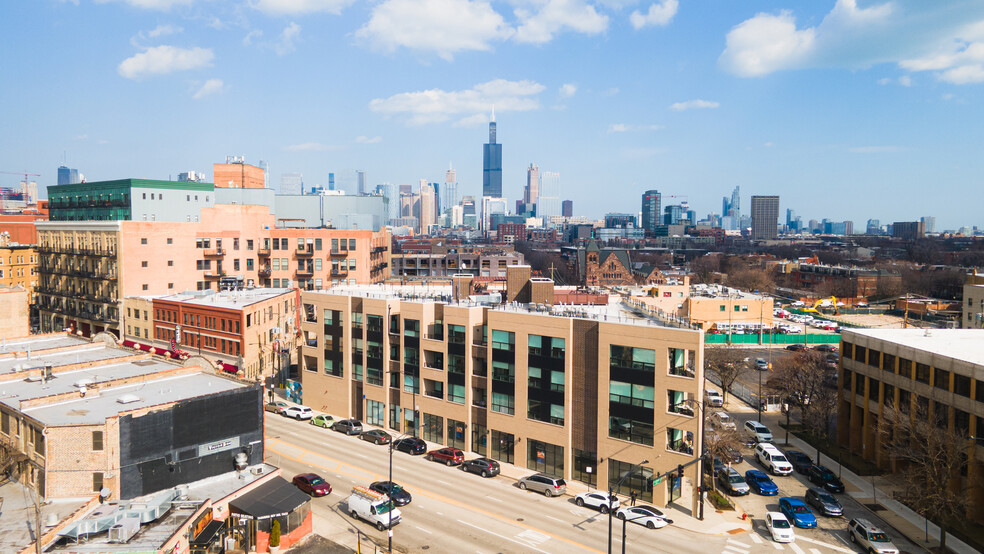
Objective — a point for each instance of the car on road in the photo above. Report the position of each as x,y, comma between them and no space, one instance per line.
643,515
482,466
732,455
723,421
411,445
870,538
779,527
376,436
826,348
596,500
801,462
395,491
348,426
323,420
713,398
773,460
761,364
756,431
543,483
820,475
824,502
796,347
312,483
448,456
797,512
275,407
298,412
732,482
760,483
714,468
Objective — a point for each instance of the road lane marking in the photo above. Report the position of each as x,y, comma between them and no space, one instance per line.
733,550
737,543
495,499
555,519
755,538
445,483
510,539
814,551
828,545
796,548
424,530
777,546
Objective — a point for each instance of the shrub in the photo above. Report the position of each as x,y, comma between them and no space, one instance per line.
275,533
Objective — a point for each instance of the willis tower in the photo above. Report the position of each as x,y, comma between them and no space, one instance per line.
492,164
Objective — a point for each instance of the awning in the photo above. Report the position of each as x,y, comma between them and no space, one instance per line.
230,368
129,344
275,498
207,535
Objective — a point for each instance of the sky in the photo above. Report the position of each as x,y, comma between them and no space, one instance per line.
847,109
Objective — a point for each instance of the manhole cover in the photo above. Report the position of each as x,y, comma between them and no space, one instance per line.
425,547
519,519
874,507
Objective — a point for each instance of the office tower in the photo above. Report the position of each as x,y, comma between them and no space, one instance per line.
873,227
548,198
532,190
427,215
469,212
68,176
406,189
30,191
361,178
765,217
732,207
449,195
792,224
492,206
567,208
650,210
457,216
908,230
391,195
673,214
492,164
929,224
291,183
331,181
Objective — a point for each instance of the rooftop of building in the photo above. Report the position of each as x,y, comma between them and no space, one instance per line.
959,344
84,353
39,343
234,300
129,182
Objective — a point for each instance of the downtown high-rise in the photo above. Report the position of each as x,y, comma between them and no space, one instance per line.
765,217
492,164
651,210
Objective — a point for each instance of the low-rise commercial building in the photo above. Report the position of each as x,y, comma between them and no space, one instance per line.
973,302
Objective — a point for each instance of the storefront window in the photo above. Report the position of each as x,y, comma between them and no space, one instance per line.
433,429
640,481
456,434
374,412
502,446
545,458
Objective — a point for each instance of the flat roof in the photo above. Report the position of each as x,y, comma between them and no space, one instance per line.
959,344
95,352
40,343
97,406
225,299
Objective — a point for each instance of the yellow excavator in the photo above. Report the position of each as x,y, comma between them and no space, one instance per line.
823,302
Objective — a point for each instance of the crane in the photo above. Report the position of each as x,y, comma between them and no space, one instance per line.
25,174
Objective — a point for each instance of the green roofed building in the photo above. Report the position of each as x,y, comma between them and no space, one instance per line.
130,200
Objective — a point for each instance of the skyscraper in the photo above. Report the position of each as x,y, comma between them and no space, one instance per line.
650,210
361,177
68,176
291,183
567,208
929,223
765,217
548,199
449,196
426,209
532,185
492,164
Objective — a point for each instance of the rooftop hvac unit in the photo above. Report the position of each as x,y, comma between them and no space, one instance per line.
128,399
124,529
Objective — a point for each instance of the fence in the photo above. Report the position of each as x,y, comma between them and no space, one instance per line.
748,395
767,338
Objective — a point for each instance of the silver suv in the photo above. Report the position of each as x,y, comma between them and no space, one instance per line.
870,538
539,482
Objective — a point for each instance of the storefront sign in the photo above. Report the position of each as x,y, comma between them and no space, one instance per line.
218,446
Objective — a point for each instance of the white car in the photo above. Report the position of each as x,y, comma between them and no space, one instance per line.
758,432
643,515
713,398
723,420
779,527
773,460
596,500
298,412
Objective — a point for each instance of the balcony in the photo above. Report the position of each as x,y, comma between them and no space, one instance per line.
214,252
263,252
264,272
339,272
342,253
309,270
214,273
307,250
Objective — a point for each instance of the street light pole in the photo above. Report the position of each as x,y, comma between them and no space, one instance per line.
611,493
700,456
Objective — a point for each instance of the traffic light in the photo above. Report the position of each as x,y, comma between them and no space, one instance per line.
680,472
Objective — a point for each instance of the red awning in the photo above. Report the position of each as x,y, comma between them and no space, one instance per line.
129,344
144,347
230,368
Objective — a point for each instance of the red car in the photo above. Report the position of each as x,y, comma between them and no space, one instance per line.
450,456
312,484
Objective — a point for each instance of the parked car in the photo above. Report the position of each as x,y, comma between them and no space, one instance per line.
543,483
312,483
376,436
797,512
801,462
275,407
596,500
824,502
796,347
732,482
298,412
756,431
761,364
870,538
826,348
448,456
732,455
773,460
348,426
411,445
715,467
482,466
323,420
822,476
713,398
761,483
395,491
643,515
779,527
723,420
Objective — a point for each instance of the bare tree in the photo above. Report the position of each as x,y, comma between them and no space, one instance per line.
805,382
932,459
751,279
720,444
727,363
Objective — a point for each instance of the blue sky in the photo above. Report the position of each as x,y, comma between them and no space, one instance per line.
846,109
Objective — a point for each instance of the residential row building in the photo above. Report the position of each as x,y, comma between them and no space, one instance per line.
574,396
973,302
18,265
439,259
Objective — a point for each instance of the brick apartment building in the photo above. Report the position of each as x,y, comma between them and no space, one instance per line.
599,267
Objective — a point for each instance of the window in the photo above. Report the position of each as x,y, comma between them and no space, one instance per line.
922,373
874,358
456,393
503,340
632,395
351,245
143,263
317,244
941,379
97,481
143,241
961,385
633,358
170,240
170,263
503,403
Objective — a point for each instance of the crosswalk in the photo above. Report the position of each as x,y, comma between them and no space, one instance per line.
754,543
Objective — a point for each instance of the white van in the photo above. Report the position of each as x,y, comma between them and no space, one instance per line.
773,460
374,507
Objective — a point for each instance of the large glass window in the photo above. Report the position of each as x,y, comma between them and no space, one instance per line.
503,403
411,328
632,395
456,334
374,323
640,480
480,439
585,467
433,428
502,446
456,363
456,393
679,440
503,371
633,358
678,363
503,340
456,434
545,458
395,417
410,423
631,429
374,412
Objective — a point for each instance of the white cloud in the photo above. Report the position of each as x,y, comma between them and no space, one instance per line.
768,144
766,43
444,27
436,105
659,14
299,7
81,137
694,104
964,74
567,90
160,31
310,147
554,16
368,140
211,86
163,5
905,81
285,44
610,92
618,128
102,141
160,60
625,128
248,39
884,81
875,149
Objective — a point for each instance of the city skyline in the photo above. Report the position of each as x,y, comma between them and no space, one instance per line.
687,99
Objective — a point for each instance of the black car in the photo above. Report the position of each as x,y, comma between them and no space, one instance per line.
732,455
376,436
482,466
826,348
411,445
395,491
801,462
796,347
824,502
348,426
824,477
713,469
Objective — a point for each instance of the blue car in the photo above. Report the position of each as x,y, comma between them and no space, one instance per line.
796,511
761,483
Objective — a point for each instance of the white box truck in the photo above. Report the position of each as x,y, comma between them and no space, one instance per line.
374,507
